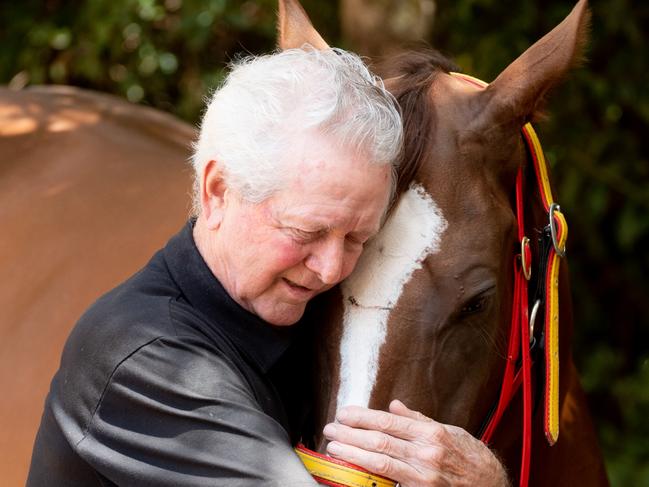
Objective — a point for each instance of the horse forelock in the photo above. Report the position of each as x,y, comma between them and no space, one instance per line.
411,76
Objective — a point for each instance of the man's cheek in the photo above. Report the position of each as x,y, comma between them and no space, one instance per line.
289,254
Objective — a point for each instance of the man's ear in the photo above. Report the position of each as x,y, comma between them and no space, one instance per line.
294,29
213,195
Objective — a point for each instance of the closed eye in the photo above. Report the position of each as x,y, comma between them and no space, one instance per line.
474,306
304,235
356,240
477,303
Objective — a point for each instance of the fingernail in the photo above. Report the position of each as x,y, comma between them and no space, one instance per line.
333,448
329,430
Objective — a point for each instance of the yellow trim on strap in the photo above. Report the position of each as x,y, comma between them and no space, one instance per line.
552,355
340,474
552,337
546,190
563,234
551,423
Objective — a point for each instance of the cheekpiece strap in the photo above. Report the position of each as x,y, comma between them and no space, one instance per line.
559,233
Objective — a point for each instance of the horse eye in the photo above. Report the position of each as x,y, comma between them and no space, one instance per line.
475,305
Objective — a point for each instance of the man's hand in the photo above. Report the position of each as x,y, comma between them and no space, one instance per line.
412,449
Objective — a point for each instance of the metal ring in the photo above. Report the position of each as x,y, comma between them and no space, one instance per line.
561,252
527,270
535,310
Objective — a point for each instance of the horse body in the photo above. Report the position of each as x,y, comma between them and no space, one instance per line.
91,186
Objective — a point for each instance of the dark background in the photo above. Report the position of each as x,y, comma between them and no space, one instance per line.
169,54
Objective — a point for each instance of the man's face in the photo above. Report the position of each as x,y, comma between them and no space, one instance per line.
273,257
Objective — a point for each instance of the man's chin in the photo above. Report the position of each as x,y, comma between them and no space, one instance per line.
284,314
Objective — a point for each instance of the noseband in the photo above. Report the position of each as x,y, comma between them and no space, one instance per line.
532,338
337,473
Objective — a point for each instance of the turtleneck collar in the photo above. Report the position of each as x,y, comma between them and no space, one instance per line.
258,340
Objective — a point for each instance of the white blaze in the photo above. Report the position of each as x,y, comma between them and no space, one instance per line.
412,232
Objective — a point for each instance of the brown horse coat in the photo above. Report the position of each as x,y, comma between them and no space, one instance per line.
90,187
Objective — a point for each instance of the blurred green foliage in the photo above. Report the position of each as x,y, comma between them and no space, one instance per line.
163,53
171,53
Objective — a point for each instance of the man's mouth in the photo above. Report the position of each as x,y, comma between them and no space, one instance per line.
296,286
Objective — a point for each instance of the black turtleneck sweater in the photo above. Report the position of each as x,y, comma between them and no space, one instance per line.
166,381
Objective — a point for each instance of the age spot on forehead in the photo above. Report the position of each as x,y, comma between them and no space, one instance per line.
412,232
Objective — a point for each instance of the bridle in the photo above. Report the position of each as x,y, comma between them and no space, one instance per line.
532,336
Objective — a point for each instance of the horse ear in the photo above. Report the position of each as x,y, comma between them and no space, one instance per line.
294,28
518,92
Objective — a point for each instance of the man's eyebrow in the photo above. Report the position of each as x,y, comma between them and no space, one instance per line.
305,225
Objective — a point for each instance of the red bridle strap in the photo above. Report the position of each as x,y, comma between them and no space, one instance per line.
519,345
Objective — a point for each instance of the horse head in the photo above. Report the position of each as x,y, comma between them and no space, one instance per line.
426,315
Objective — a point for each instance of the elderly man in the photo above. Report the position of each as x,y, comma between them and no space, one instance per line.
172,378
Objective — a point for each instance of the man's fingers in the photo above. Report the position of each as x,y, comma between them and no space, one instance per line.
397,407
374,462
418,455
399,426
375,441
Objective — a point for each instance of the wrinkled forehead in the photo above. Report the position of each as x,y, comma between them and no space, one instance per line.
336,191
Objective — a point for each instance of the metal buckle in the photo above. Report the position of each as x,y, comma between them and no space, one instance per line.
527,268
535,310
561,252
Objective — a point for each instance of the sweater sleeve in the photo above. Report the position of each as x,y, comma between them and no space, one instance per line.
177,414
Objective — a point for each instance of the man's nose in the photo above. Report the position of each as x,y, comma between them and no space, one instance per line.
327,260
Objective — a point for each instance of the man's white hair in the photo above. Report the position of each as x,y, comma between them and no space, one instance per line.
265,102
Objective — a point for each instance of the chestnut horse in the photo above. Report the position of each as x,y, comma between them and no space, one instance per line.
91,186
425,317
